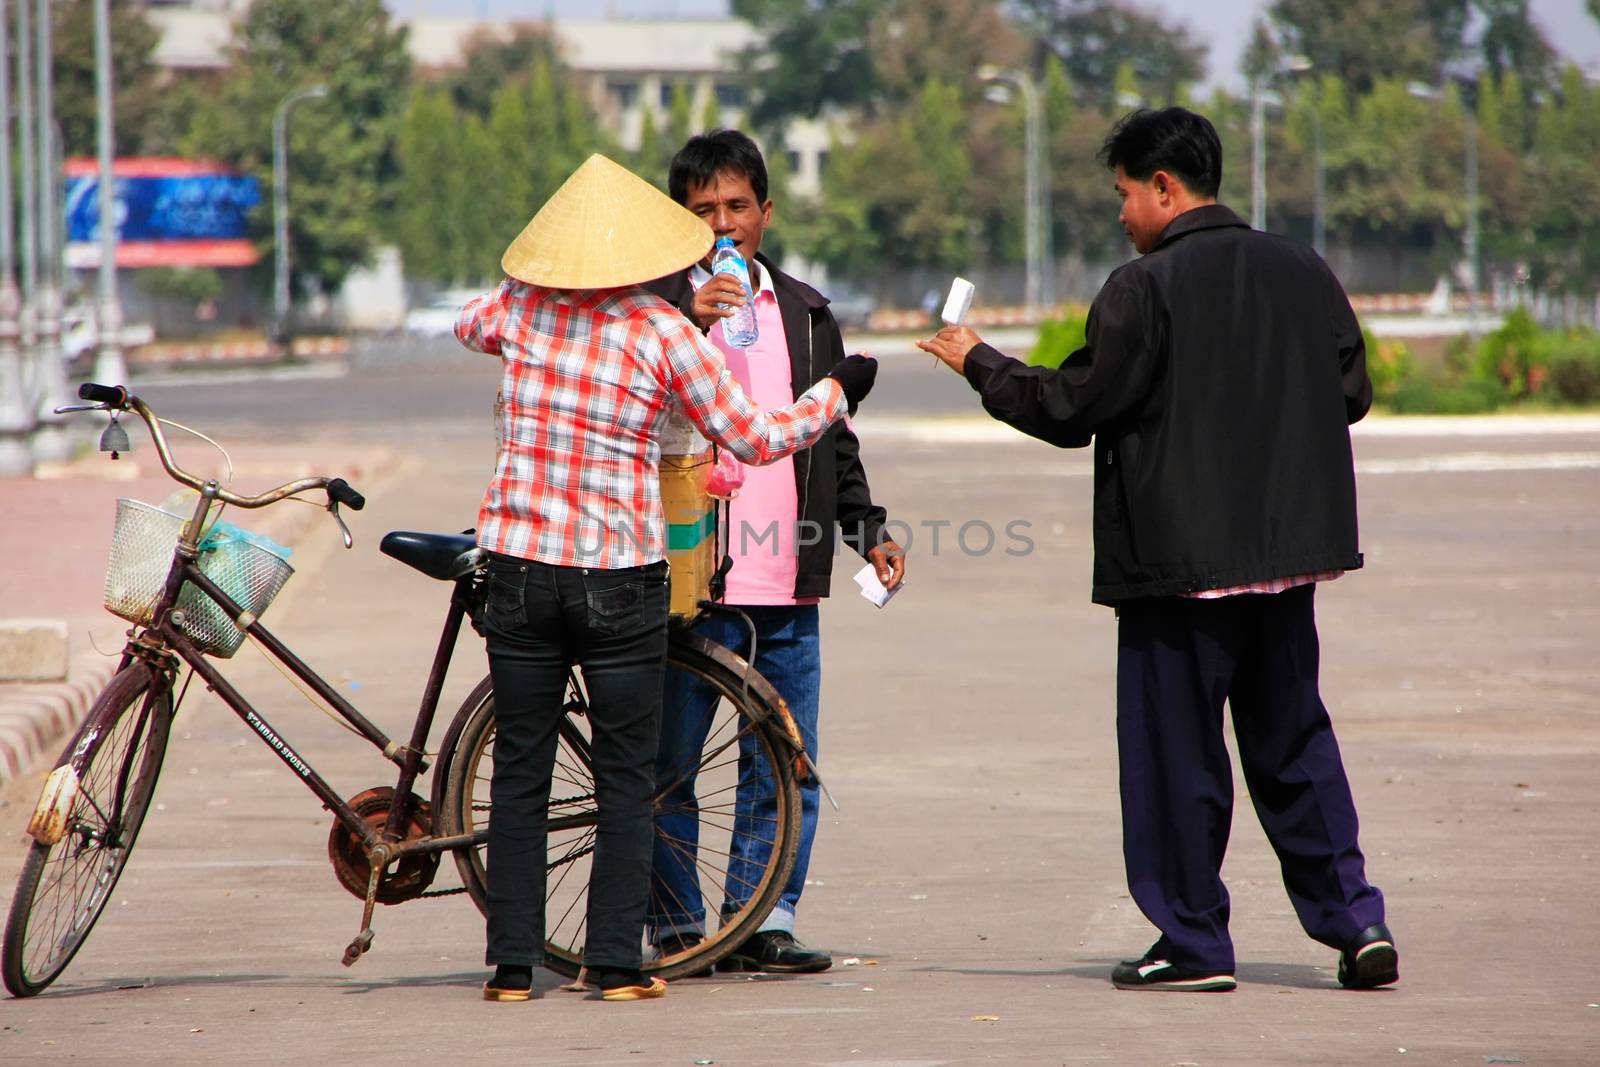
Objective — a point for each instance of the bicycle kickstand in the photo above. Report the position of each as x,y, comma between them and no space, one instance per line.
378,861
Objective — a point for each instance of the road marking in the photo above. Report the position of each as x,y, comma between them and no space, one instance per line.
1481,462
320,370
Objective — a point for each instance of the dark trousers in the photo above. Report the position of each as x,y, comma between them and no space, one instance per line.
539,620
1178,660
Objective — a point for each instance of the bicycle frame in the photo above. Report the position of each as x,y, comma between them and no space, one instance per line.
165,632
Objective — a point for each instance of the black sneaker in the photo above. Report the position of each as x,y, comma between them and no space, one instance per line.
672,944
1150,972
1370,960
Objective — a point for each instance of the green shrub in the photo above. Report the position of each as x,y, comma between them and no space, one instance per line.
1427,394
1058,339
190,284
1517,355
1574,367
1390,365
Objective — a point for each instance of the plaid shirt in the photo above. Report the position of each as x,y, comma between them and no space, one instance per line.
587,379
1270,585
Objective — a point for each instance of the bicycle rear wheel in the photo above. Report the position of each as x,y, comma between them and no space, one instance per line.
720,843
113,760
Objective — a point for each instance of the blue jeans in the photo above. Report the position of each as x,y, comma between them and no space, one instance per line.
789,655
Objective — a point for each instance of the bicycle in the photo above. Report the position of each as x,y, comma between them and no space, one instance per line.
386,843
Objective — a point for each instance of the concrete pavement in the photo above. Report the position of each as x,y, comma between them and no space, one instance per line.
974,870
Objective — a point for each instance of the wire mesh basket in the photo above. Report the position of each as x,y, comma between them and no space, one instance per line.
141,556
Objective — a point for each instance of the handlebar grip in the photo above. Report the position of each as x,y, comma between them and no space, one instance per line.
104,394
345,493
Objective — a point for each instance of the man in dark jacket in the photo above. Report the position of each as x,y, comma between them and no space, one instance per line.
781,540
1218,380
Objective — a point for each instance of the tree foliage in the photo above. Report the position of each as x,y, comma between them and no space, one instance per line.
1365,41
136,79
341,159
479,151
1095,39
814,54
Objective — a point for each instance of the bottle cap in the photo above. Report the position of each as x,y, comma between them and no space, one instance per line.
724,242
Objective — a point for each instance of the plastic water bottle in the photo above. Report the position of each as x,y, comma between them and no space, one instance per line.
739,328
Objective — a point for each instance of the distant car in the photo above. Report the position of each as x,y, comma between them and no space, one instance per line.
438,318
851,308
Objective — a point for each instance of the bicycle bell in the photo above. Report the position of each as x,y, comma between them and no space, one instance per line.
115,438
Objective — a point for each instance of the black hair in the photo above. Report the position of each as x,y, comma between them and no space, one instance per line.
708,154
1172,139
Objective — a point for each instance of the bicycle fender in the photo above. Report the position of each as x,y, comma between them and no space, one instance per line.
762,689
49,822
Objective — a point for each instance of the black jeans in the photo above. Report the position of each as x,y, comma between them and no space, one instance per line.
539,620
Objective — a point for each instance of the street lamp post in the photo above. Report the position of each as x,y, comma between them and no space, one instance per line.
17,415
280,211
109,366
1260,98
51,439
1423,91
1037,240
1258,155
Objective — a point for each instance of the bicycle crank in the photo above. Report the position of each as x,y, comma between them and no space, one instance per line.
411,874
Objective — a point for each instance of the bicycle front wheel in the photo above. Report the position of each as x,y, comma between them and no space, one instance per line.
108,772
739,864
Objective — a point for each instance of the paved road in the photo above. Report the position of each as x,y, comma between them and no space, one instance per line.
975,867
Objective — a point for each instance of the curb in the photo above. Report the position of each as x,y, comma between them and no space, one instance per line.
36,717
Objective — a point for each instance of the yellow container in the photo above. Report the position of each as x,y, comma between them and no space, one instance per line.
691,520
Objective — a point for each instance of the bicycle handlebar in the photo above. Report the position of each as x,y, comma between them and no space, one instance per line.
117,397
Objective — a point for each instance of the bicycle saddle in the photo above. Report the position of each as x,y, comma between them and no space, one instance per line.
443,556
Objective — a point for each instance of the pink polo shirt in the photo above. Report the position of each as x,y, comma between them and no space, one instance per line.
762,533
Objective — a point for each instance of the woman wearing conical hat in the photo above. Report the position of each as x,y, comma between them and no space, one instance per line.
573,526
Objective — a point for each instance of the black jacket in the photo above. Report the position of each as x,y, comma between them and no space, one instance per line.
830,482
1218,381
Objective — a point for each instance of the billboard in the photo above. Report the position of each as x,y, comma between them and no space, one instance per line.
171,212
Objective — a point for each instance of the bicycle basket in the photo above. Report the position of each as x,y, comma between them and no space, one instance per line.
141,555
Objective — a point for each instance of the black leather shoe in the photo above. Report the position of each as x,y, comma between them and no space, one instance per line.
776,952
1370,960
673,944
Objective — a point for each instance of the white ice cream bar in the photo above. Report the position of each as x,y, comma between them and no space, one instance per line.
958,303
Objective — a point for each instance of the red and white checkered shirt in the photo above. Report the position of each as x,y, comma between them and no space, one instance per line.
1270,585
587,378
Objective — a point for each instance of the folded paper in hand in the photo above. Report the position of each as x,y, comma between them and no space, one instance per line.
872,589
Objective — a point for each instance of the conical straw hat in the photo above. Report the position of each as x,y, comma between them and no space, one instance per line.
605,227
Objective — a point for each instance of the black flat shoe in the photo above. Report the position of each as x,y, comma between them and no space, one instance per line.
776,952
1370,960
673,944
627,985
510,984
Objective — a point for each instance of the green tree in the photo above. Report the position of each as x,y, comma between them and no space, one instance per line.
135,76
432,146
341,148
813,54
489,61
1365,41
897,196
1095,38
1563,246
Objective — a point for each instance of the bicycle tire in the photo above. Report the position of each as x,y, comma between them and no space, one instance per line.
116,754
739,710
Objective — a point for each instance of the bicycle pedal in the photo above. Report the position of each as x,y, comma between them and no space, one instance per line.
357,948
